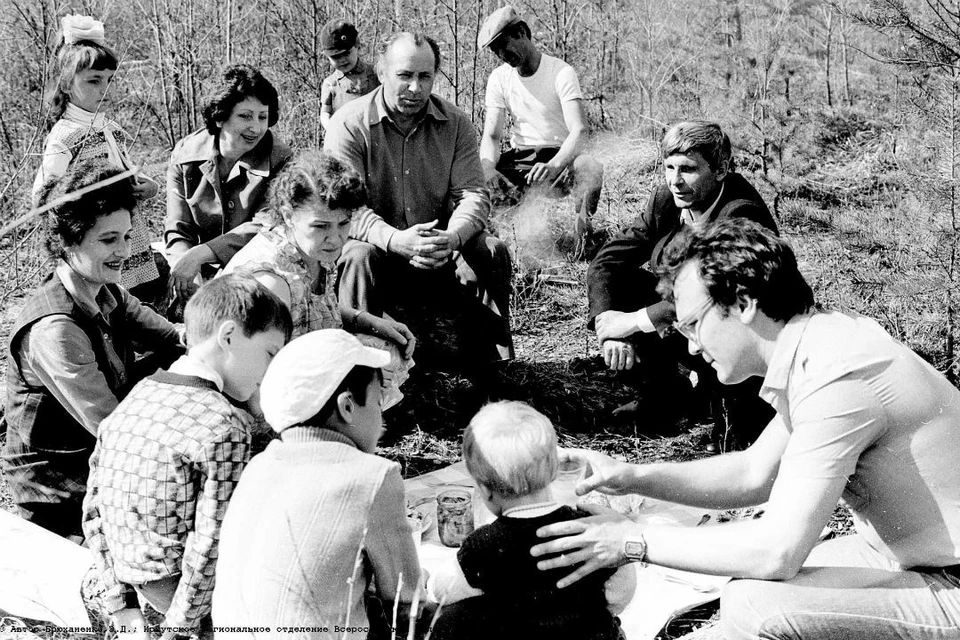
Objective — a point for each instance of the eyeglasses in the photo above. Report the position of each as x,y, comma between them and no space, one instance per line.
690,329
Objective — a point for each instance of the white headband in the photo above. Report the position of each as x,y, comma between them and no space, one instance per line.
77,28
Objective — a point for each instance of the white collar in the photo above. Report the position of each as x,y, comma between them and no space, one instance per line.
531,510
82,116
187,365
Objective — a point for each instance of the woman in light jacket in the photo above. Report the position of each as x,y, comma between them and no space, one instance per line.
217,178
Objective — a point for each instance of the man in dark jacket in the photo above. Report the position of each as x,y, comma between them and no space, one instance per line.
633,323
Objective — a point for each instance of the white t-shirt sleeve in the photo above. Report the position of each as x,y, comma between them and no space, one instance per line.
496,95
568,85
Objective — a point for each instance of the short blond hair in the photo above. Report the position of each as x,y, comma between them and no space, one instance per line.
511,448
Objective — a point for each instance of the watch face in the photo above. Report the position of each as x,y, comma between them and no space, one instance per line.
634,550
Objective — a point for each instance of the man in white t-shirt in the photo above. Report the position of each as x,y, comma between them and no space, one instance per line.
543,95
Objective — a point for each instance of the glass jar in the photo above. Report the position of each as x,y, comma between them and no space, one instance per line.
454,516
564,486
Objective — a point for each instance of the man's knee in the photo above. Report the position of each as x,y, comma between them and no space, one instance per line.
361,268
588,171
359,254
753,609
497,250
488,256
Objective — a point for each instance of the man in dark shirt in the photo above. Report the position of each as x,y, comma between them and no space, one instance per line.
421,251
632,321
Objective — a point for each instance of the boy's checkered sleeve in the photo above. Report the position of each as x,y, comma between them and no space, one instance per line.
225,460
118,595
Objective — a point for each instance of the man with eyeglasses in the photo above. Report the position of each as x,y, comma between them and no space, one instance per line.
859,417
633,323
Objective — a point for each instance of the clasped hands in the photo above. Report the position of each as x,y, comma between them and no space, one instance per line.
424,246
612,327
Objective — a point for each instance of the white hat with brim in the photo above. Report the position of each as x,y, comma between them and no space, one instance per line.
494,25
305,374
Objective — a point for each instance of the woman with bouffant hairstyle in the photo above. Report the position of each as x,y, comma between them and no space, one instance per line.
218,177
71,350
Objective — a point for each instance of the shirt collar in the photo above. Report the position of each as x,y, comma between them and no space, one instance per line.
257,160
93,298
359,68
201,148
688,218
198,147
378,109
531,510
784,354
188,365
301,434
84,117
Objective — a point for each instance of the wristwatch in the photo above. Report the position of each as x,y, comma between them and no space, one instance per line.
635,550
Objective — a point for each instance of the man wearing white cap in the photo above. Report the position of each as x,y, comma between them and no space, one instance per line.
543,95
317,517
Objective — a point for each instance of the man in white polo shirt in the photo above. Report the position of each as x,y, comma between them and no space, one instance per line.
859,416
543,95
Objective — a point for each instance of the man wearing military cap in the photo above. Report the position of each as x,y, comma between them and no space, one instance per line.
351,77
543,95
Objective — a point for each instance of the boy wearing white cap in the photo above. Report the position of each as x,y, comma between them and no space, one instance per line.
317,517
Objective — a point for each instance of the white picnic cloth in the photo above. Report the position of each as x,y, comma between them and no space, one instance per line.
41,573
661,593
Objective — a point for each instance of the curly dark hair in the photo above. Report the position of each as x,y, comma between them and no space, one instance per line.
239,82
70,220
313,176
739,258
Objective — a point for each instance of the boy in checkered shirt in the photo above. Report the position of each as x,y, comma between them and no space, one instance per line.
168,458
